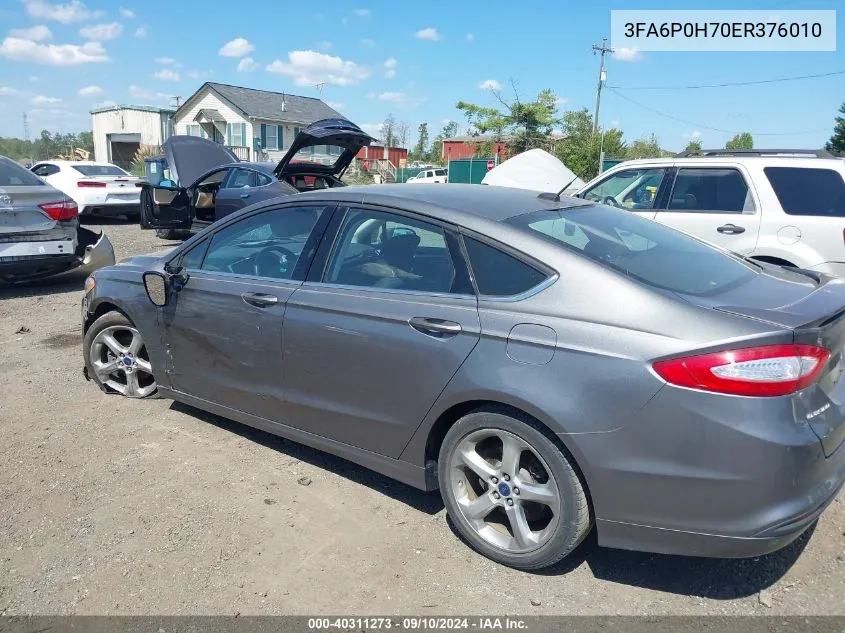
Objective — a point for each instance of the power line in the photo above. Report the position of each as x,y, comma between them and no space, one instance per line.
726,85
708,127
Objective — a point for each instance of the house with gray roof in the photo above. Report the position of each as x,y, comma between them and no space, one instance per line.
255,124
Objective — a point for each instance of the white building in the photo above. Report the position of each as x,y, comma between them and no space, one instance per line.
254,124
120,130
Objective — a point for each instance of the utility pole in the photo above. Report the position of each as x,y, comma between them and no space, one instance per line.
603,48
26,133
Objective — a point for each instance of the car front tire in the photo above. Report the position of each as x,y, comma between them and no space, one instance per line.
116,357
511,491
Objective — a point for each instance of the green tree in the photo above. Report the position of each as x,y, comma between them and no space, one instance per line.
693,146
837,141
741,141
420,149
645,147
387,131
435,154
525,125
580,151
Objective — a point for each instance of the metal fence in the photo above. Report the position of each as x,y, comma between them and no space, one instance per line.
469,170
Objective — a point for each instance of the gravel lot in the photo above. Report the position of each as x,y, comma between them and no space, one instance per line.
112,506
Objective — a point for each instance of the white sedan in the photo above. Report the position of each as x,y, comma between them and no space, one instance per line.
97,188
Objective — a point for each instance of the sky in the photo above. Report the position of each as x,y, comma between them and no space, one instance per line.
414,60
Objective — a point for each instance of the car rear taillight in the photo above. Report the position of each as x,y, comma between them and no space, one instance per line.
768,370
89,183
59,211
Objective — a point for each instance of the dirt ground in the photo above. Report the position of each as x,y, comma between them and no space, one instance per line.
114,506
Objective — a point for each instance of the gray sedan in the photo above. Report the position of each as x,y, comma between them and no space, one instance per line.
549,364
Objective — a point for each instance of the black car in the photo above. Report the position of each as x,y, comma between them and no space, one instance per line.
207,182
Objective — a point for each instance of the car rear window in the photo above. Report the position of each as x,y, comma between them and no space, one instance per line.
99,170
808,191
14,175
649,252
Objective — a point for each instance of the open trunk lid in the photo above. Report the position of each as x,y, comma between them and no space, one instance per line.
327,146
813,307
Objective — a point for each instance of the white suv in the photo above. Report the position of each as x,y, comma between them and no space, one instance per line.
780,206
434,174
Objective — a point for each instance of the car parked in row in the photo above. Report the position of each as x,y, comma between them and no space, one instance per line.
549,364
40,234
433,175
207,182
98,189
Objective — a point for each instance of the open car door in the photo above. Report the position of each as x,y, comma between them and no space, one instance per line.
326,147
167,205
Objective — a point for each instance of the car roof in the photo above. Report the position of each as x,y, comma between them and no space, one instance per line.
792,160
456,203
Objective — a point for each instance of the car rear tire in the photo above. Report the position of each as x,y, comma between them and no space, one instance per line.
511,491
172,234
116,357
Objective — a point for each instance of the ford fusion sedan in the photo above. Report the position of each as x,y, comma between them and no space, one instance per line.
551,365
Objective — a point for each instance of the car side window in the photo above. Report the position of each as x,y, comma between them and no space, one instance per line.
632,189
241,178
267,244
45,170
498,274
192,260
710,190
376,249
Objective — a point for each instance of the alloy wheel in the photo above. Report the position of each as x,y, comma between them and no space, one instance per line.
119,358
505,490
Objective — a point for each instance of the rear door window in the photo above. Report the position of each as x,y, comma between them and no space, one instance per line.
808,190
710,190
637,247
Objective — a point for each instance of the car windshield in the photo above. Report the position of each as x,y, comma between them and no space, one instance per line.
14,175
99,170
640,248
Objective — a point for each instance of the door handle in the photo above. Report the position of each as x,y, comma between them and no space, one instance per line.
259,299
731,229
244,195
436,327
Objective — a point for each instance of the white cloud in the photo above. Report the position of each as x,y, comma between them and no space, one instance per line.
141,32
615,124
127,13
373,129
73,11
368,42
429,34
343,20
52,54
390,67
334,105
90,91
399,99
559,101
35,80
625,54
363,13
325,44
102,32
36,33
50,115
142,93
490,84
247,64
166,61
694,135
8,91
470,37
165,74
199,74
41,100
309,68
238,47
105,104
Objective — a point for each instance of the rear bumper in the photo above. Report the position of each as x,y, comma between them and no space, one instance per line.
703,474
111,209
94,251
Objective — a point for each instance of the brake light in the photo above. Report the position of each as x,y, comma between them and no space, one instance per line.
60,211
89,183
768,370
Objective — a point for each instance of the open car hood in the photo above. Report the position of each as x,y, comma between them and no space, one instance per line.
535,169
328,132
189,157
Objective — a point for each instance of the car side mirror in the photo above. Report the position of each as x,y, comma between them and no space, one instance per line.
156,284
